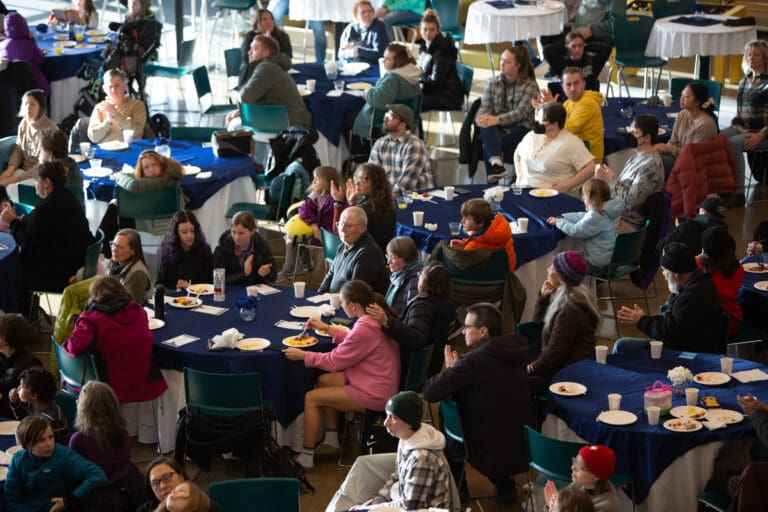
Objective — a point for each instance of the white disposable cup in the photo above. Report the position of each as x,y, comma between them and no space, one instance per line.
522,223
298,289
517,189
449,191
455,228
338,85
614,401
601,353
418,219
726,365
667,98
128,136
311,84
84,147
691,396
656,349
335,300
252,290
95,163
653,412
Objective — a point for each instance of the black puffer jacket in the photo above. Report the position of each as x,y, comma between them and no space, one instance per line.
224,256
441,85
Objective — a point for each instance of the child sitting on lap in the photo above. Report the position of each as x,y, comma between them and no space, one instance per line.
34,397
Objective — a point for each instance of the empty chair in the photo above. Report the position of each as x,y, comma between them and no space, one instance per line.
205,96
264,494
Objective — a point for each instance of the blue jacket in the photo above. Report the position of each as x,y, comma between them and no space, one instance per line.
595,229
32,481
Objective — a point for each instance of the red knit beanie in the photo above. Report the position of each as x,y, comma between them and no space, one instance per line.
600,460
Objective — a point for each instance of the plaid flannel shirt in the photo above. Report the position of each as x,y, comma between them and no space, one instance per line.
752,103
405,160
420,478
511,101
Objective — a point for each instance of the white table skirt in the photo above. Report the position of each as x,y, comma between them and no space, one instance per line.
330,154
669,39
675,489
334,10
486,24
63,95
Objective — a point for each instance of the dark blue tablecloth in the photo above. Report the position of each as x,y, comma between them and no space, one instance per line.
642,449
57,67
328,112
197,190
754,302
284,382
10,274
539,240
612,121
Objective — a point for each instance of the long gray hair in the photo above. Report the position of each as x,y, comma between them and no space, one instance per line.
580,294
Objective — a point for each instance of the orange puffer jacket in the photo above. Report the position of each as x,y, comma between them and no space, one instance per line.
497,236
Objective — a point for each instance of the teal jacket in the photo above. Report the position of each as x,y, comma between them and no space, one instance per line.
398,84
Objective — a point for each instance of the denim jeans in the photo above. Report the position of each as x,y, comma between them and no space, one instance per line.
279,9
501,141
630,345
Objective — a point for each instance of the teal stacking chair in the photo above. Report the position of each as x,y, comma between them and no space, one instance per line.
664,8
157,205
27,194
631,37
266,121
448,12
235,7
233,57
68,405
493,272
271,494
90,267
205,96
74,371
176,72
714,89
195,133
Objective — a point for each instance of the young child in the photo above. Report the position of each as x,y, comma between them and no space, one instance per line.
594,226
590,472
5,201
486,230
314,213
34,397
186,497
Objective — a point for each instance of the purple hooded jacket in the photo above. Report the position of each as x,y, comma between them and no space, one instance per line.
20,46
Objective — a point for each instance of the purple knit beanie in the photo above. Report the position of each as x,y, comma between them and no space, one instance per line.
570,266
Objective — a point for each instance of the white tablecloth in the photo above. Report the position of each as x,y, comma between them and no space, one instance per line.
63,96
486,24
678,485
669,39
334,10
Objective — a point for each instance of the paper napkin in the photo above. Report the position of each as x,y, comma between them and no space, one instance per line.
180,340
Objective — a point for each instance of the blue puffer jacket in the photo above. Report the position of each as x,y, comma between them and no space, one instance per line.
597,232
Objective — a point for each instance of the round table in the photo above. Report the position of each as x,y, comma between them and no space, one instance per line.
333,10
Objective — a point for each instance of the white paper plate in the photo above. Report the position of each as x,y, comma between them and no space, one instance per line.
354,68
711,378
682,425
185,302
85,46
64,44
191,170
762,285
253,344
99,172
305,312
543,192
755,268
13,449
155,323
303,91
289,341
727,416
201,289
8,428
77,158
61,37
334,93
688,411
424,196
113,145
568,388
325,333
96,32
97,39
359,86
617,417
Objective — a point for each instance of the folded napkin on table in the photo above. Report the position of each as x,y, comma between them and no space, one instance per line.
227,339
753,375
713,424
204,175
320,298
286,324
326,310
501,4
696,21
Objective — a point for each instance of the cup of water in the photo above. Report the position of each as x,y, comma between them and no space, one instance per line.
338,85
455,228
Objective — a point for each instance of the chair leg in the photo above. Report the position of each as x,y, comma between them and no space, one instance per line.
613,308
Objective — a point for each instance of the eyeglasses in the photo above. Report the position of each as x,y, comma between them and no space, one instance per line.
115,245
164,479
340,225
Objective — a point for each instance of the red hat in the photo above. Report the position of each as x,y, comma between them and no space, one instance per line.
600,460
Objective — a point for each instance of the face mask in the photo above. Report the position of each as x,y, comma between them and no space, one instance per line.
630,141
539,128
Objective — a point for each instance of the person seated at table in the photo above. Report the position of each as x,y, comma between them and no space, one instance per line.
401,153
488,383
405,266
718,257
101,435
575,52
263,25
712,212
45,475
690,319
115,327
35,397
243,254
506,113
758,245
57,226
551,157
117,112
185,256
400,12
20,44
358,256
314,213
370,190
86,12
590,472
424,320
53,146
26,152
437,57
696,122
749,129
594,226
128,264
643,175
270,84
365,39
569,315
364,368
15,337
583,108
486,229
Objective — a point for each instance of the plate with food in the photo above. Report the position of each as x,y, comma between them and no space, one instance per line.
756,268
64,44
305,312
155,323
114,145
359,86
711,378
303,91
8,428
61,37
424,196
568,388
323,332
185,302
688,411
191,170
300,341
98,172
617,417
96,32
682,425
85,46
762,286
726,416
543,192
76,157
97,39
253,344
201,289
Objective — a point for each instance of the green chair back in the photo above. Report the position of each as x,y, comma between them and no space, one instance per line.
187,53
229,394
27,194
92,256
417,372
449,411
413,103
331,243
466,75
68,405
714,89
631,37
627,249
74,371
22,209
202,83
183,63
232,59
259,211
448,12
664,8
264,494
493,272
264,118
159,204
194,133
550,457
235,5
